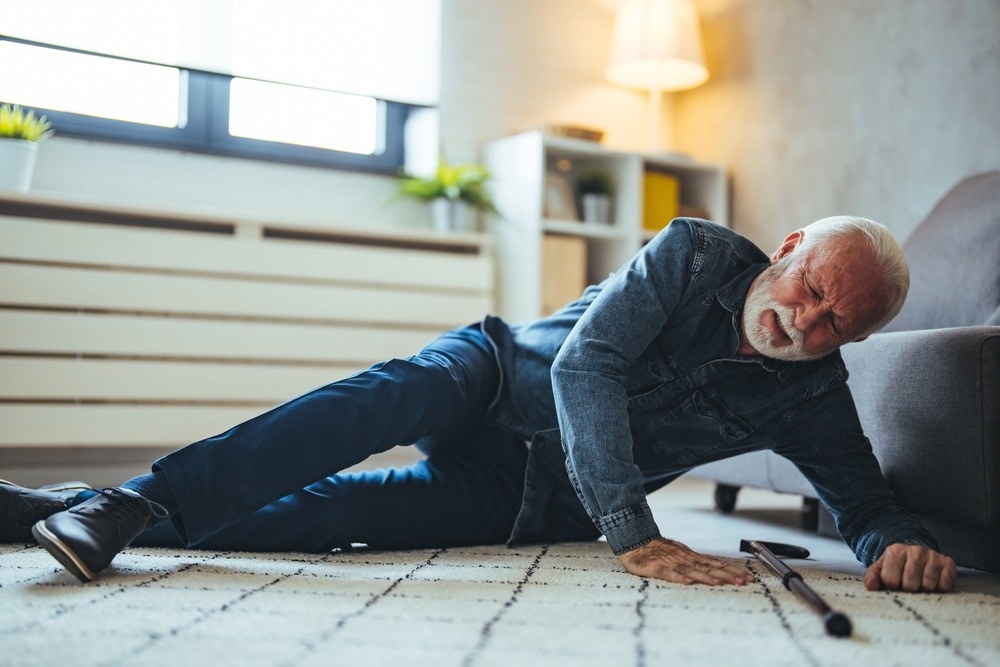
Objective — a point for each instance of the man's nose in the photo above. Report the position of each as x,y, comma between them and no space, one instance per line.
807,316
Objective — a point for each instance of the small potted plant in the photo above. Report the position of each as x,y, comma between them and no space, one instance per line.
20,133
451,191
595,189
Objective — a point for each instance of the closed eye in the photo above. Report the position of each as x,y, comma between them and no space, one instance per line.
811,290
815,294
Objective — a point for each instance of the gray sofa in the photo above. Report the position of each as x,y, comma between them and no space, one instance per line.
927,387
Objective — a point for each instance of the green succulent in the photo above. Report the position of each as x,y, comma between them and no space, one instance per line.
466,182
594,181
16,123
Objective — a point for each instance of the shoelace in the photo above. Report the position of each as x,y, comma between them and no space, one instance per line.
46,509
29,513
120,511
124,511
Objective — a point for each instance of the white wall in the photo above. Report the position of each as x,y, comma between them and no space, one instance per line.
512,64
871,107
231,187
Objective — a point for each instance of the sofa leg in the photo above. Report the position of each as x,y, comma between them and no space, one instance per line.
810,514
826,525
725,497
817,519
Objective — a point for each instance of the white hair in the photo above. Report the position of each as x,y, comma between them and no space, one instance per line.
886,252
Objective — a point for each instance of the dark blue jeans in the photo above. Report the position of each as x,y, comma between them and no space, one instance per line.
273,483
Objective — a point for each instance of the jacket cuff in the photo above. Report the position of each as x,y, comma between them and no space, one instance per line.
629,528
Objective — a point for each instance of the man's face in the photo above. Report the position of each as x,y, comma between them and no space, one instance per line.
811,301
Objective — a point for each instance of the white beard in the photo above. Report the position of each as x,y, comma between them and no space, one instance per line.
758,302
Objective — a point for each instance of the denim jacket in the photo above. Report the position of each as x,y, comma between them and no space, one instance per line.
639,381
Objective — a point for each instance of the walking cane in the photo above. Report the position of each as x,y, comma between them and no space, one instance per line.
836,624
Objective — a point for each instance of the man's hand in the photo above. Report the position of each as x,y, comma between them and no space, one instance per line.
911,567
672,561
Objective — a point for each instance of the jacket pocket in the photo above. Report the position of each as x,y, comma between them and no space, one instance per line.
697,428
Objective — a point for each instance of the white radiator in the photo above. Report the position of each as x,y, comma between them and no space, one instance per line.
144,330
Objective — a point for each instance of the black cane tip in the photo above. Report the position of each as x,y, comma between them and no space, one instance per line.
837,624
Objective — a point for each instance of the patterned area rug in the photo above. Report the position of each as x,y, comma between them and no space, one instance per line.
568,604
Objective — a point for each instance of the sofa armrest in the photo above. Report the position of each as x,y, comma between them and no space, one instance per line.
930,403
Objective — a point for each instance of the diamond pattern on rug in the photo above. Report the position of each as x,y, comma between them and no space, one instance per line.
566,604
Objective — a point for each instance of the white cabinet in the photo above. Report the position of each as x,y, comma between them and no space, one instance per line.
532,184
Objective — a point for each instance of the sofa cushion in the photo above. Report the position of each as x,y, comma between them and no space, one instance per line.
954,257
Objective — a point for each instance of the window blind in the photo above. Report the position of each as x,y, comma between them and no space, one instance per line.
387,49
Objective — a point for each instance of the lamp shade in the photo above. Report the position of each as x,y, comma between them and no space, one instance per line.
656,45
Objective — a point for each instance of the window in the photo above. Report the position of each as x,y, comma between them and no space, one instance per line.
324,82
262,110
65,81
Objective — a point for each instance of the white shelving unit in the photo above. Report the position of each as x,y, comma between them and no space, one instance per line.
520,164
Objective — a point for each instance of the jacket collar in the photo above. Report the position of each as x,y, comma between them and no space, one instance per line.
733,294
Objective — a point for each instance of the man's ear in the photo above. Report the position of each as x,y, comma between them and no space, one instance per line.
790,243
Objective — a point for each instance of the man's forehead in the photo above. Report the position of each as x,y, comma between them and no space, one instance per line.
838,251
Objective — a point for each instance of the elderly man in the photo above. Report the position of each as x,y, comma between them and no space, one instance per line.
698,349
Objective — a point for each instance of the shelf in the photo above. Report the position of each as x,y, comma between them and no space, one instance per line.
579,147
543,259
577,228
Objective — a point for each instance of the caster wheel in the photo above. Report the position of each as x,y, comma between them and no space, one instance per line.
725,497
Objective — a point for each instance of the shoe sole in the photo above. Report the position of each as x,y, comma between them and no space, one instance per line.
62,553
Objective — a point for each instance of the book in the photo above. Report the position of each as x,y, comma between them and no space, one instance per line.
661,199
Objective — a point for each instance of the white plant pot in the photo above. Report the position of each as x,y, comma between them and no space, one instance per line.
450,215
597,209
17,164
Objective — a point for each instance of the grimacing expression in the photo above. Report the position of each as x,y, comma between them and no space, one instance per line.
812,300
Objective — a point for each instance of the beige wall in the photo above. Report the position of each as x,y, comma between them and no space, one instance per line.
509,65
816,106
872,107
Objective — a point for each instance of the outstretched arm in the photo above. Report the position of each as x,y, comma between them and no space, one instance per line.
589,376
830,448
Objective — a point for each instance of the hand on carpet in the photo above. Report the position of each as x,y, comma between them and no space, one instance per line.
674,562
911,567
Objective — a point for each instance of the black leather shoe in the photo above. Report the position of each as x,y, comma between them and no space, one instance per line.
21,508
86,538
